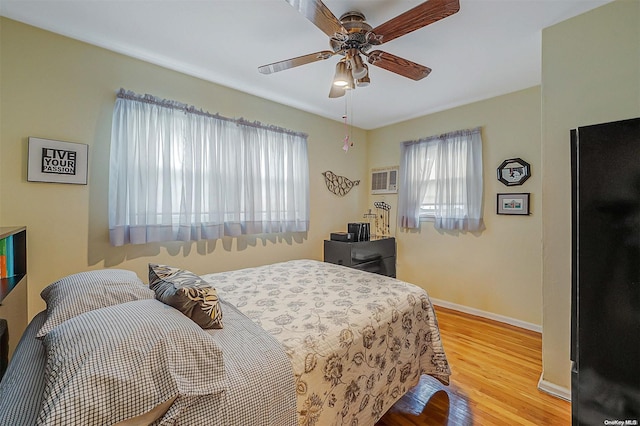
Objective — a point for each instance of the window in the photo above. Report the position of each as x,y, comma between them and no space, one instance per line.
456,177
177,173
441,178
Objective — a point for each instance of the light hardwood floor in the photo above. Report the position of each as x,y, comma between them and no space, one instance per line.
495,371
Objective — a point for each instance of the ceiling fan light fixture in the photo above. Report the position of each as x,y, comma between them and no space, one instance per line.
336,92
342,76
365,80
358,68
351,83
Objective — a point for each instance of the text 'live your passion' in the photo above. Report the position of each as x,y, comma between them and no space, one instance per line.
58,161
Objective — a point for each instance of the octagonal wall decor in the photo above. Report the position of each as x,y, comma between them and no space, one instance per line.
514,171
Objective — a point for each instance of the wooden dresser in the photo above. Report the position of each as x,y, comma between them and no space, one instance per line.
377,255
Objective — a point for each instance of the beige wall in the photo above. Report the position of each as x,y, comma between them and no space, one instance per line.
57,88
590,74
499,270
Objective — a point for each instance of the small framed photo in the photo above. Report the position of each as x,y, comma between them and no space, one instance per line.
57,161
513,203
514,171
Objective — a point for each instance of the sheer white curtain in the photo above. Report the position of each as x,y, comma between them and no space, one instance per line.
177,173
441,177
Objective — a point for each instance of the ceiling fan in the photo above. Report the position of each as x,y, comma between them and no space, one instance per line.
352,37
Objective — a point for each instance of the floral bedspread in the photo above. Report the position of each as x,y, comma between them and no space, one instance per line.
357,341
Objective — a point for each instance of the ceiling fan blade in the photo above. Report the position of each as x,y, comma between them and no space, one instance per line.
295,62
320,15
420,16
398,65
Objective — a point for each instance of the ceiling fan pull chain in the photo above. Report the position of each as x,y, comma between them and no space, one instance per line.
345,147
351,116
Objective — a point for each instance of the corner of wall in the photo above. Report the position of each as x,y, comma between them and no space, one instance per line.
553,389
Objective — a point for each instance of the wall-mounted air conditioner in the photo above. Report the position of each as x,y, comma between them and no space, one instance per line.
384,180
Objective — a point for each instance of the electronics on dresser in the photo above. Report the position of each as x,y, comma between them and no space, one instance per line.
346,237
360,230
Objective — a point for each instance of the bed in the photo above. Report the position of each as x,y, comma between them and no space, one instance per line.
293,343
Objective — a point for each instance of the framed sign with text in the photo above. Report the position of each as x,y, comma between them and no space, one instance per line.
57,161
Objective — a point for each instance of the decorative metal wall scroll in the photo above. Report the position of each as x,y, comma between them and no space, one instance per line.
514,171
339,185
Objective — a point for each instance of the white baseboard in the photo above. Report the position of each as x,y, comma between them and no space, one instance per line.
554,390
488,315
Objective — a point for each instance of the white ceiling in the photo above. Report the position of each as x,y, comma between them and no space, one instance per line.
488,48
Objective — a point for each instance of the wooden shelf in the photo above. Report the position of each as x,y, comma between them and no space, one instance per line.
6,231
13,290
8,284
19,235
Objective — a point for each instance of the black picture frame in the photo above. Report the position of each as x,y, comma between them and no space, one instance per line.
513,203
514,171
56,161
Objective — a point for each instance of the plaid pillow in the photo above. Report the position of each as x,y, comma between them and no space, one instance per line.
188,293
118,362
85,291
